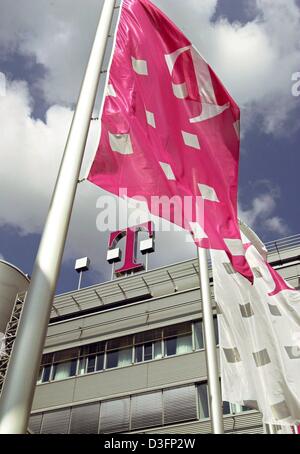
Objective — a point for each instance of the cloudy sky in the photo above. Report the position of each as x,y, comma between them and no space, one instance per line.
253,45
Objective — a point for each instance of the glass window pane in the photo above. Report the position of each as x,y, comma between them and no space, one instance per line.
62,370
65,355
112,359
47,359
100,362
148,336
177,330
82,366
73,369
216,330
226,408
236,408
203,401
46,374
98,347
39,380
184,344
170,346
120,342
139,353
146,410
157,350
91,362
198,331
125,357
148,352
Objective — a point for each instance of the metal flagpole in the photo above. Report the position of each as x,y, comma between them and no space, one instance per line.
210,346
80,279
19,386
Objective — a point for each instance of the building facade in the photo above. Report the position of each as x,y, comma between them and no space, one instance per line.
128,356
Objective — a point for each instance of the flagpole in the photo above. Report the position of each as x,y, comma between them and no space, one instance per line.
20,382
210,346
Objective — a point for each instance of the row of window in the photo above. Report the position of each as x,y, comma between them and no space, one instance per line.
124,351
142,411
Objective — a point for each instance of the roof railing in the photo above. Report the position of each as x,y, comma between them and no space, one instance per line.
283,244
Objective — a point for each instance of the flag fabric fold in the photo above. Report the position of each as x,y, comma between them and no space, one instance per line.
259,335
170,130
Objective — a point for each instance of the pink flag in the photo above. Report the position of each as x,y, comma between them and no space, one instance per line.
170,128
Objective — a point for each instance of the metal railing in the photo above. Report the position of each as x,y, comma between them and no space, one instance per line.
283,244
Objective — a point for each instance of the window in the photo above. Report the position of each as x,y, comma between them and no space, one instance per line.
203,401
85,419
198,336
46,373
82,366
65,364
56,422
119,352
35,422
146,410
64,370
216,330
91,363
100,362
124,351
149,351
234,409
226,408
158,350
114,416
178,339
141,411
139,353
179,404
148,345
91,358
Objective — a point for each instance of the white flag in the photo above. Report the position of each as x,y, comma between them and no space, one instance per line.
259,328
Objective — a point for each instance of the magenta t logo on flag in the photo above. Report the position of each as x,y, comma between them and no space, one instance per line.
170,129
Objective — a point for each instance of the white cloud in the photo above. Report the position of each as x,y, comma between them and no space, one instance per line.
276,225
255,60
261,214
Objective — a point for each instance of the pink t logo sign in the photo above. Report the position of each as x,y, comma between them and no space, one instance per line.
130,256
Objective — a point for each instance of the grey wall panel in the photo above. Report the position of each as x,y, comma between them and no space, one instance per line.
54,394
110,383
177,369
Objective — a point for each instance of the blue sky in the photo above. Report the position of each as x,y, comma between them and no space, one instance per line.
254,46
